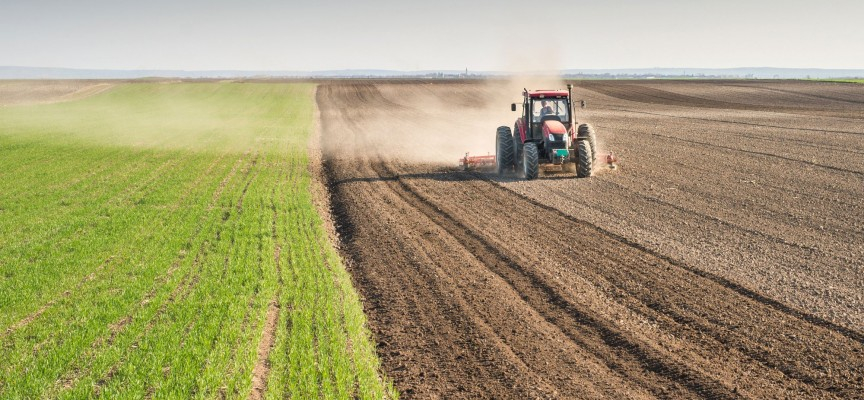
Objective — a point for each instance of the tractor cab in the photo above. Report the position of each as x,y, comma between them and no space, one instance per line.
549,108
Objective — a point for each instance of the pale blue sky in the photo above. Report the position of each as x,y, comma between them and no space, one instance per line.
443,34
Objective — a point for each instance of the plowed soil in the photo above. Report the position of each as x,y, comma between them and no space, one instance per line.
722,259
16,92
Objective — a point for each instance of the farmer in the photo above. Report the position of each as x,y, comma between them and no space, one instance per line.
546,110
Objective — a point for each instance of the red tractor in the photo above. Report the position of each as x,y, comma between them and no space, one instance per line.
546,133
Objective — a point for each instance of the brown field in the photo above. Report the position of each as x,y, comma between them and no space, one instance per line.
722,259
17,92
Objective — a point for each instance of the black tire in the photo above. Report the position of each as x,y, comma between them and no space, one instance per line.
503,150
587,131
517,147
586,159
530,161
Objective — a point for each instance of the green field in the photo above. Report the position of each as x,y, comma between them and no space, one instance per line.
147,232
844,80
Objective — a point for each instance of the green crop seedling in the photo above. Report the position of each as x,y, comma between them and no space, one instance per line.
160,240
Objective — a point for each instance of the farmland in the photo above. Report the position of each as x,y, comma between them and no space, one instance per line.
179,240
722,259
160,240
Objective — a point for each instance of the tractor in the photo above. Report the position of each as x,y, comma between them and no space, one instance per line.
546,133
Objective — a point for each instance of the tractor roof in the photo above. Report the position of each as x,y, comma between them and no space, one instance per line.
542,94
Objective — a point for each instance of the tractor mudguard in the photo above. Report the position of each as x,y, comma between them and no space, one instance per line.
520,127
583,134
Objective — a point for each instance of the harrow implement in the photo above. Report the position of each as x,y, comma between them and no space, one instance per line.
488,161
476,162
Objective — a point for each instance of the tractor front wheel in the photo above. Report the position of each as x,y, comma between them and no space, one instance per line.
530,161
503,150
586,159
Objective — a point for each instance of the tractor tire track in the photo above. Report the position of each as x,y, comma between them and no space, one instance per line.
792,128
645,92
815,320
751,152
692,315
605,341
474,290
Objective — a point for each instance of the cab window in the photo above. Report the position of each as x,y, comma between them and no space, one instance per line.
552,107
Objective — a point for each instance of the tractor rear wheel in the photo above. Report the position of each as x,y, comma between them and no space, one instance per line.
530,161
586,159
503,150
587,131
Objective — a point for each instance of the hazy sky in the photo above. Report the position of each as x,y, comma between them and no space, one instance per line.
436,34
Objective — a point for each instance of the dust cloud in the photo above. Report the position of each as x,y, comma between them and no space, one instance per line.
437,122
29,92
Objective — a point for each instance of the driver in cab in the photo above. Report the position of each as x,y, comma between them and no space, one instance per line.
546,109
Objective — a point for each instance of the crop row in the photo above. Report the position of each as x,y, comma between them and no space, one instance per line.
146,234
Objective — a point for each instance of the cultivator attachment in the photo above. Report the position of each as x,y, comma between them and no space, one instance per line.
488,161
477,162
